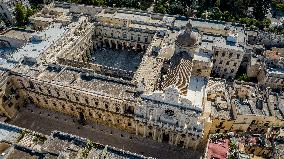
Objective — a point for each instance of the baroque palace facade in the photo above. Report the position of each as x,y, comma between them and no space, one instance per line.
147,74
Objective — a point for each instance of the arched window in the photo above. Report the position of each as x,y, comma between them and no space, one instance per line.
129,110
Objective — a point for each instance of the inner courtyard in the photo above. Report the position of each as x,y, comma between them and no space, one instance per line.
128,60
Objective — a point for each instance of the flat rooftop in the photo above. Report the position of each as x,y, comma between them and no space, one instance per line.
90,82
137,18
34,48
243,107
133,17
216,26
105,87
195,90
9,133
202,57
40,42
26,153
221,113
275,71
211,40
18,34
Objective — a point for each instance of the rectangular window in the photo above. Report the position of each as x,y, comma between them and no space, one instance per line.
31,85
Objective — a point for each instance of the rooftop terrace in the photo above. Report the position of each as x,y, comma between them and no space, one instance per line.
18,34
26,153
9,133
211,40
243,108
195,91
220,113
87,81
41,41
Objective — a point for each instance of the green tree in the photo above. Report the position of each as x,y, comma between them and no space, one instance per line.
161,7
206,4
260,8
90,2
206,14
227,16
29,12
244,77
20,14
188,2
279,7
266,22
177,7
217,14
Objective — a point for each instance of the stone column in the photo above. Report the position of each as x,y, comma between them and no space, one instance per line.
122,45
171,139
155,134
161,135
116,45
177,139
145,131
110,44
187,142
135,47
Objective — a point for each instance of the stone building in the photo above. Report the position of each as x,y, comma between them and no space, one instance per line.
241,107
268,68
17,142
225,43
268,40
7,8
49,14
272,73
116,68
144,73
217,107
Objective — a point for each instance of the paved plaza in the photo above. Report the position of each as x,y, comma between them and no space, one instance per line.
45,122
121,59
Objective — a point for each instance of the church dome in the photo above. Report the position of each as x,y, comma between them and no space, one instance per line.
187,38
